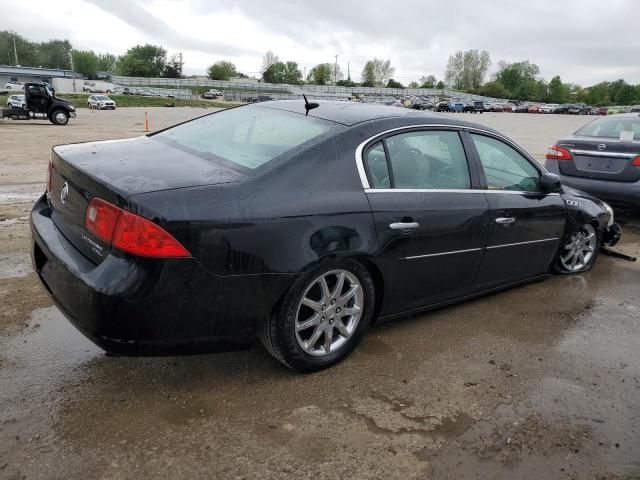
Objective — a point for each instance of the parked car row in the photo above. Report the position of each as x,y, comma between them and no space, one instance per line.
512,106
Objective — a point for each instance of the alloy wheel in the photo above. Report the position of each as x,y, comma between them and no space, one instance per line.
579,249
60,118
328,313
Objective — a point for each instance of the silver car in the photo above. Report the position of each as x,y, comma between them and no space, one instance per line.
16,101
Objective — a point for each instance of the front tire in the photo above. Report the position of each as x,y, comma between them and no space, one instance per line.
323,316
578,251
59,117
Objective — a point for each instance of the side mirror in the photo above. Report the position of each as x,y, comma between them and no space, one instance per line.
550,183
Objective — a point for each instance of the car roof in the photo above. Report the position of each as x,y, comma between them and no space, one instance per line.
621,115
345,113
352,113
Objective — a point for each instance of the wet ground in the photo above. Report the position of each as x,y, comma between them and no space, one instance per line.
541,381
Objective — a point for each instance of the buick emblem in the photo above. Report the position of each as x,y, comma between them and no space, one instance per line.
602,146
64,193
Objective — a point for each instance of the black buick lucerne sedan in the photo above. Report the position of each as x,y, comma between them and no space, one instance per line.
298,225
602,158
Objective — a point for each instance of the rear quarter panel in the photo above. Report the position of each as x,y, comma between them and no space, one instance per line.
282,221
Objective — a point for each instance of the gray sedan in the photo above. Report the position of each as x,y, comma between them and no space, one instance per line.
602,158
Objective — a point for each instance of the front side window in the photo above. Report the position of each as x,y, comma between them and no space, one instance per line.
428,160
248,137
504,167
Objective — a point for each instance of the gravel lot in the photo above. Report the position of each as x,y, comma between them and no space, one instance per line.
542,381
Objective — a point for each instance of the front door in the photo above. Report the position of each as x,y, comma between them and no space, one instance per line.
430,221
526,224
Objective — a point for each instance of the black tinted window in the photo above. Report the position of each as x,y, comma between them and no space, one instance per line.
377,166
246,136
428,160
505,168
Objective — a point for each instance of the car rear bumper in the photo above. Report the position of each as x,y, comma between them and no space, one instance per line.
616,193
135,306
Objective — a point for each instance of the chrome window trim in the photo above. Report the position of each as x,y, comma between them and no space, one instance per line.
595,153
522,243
442,253
451,190
360,161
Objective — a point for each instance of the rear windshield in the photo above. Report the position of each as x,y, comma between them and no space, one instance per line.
246,136
611,127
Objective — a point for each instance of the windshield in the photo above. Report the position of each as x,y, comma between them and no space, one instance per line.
611,127
101,97
246,136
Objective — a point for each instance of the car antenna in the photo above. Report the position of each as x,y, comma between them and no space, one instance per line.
309,106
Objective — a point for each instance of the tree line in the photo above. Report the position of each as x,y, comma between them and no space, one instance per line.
466,71
139,61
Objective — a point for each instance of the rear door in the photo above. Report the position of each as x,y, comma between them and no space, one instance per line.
430,220
526,224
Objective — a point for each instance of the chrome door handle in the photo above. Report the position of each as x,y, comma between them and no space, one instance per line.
505,220
404,226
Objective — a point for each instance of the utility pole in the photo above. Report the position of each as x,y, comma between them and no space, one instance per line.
335,71
15,50
348,72
180,86
73,73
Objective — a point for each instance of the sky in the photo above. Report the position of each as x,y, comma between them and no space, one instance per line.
583,41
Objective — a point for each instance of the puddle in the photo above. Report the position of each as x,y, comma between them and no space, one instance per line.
44,358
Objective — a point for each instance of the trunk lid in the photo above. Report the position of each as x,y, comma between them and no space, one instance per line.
113,171
600,158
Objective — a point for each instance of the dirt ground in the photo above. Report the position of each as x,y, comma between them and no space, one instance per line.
541,381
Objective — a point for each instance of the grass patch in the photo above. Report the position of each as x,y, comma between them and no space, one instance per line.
80,101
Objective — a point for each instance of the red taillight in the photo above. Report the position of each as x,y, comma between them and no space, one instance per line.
140,236
129,232
101,219
636,161
558,153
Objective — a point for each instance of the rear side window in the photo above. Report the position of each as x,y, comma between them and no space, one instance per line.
611,127
505,168
428,160
378,168
248,137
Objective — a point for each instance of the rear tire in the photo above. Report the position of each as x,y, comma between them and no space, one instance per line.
578,251
322,318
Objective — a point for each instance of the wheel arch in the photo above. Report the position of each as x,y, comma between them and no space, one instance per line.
364,260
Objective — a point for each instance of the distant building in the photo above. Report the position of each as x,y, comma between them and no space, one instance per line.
32,74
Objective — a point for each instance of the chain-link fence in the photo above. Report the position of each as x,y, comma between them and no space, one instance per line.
247,91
